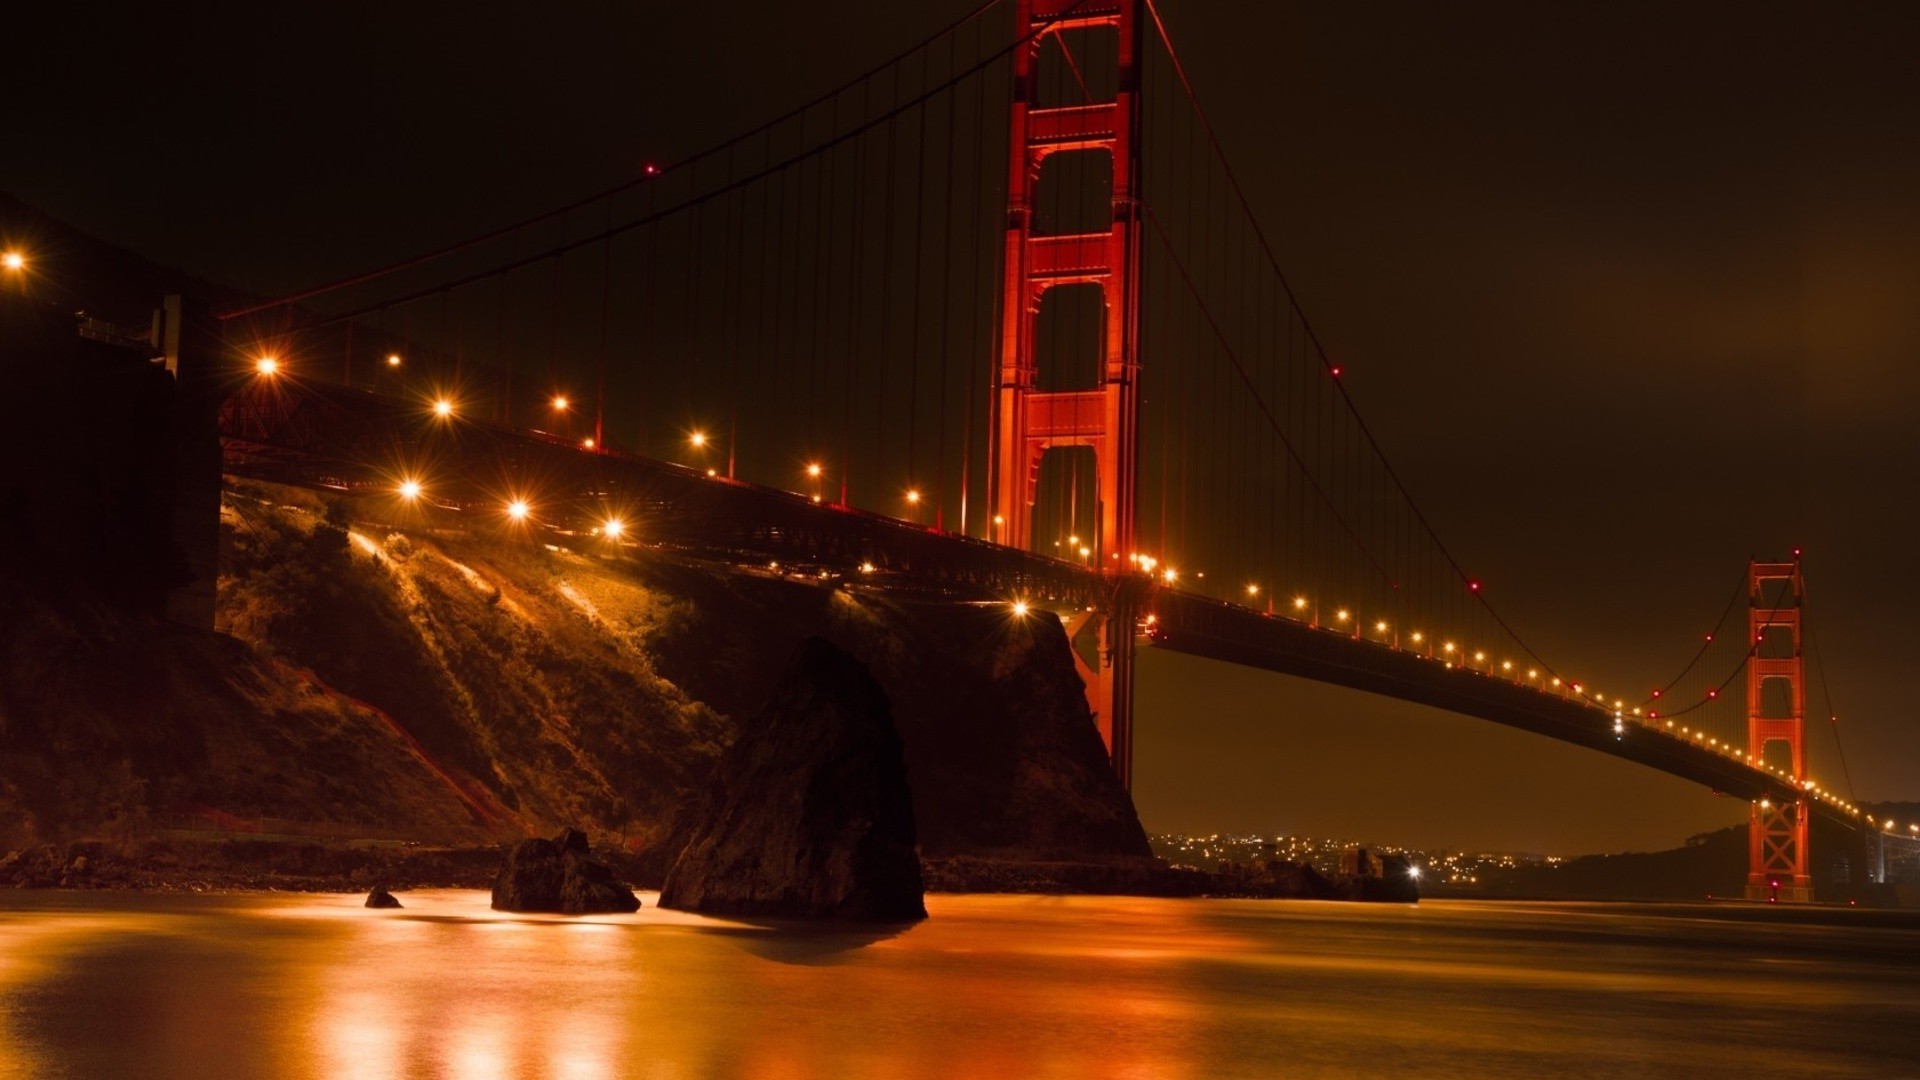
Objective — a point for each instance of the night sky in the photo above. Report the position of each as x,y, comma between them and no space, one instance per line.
1628,292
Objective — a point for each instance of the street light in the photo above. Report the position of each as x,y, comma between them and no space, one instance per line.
560,403
393,359
698,439
409,489
518,510
614,527
443,408
13,260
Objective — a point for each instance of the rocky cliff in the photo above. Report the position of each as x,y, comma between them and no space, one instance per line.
413,674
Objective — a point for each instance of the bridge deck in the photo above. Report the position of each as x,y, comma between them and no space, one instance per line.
323,435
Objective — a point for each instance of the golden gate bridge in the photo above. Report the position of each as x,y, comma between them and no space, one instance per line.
994,319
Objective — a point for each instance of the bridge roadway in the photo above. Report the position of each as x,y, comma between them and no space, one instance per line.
326,436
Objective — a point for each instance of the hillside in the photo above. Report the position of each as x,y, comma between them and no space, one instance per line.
384,673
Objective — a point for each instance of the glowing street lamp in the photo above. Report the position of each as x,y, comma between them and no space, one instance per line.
518,510
393,359
13,261
613,528
443,408
1020,609
409,489
698,439
267,365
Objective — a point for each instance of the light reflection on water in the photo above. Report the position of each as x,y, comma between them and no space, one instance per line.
317,986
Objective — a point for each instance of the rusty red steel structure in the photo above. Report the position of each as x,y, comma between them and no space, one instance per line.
1777,831
1026,421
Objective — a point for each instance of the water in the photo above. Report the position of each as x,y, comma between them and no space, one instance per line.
128,985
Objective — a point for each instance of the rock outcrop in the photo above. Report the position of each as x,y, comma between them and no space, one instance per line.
809,812
1006,761
381,898
559,876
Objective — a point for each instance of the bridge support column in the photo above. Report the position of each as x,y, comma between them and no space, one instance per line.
1777,866
1109,677
190,342
1026,422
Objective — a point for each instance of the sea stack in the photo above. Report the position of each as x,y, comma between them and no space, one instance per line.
559,876
809,812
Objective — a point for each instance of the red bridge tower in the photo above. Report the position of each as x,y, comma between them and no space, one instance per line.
1777,832
1026,421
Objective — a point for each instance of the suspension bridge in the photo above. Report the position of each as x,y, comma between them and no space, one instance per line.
994,319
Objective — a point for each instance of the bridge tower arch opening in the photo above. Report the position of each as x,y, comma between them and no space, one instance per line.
1777,832
1026,420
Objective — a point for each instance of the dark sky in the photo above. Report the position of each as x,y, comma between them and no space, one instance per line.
1628,292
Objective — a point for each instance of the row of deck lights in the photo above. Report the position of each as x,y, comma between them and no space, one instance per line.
412,490
1454,656
517,510
443,407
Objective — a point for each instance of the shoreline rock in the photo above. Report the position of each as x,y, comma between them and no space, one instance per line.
809,813
559,876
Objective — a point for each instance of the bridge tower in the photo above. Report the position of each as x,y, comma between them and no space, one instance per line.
1027,421
1777,832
